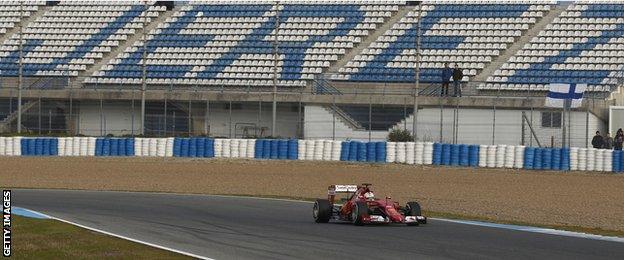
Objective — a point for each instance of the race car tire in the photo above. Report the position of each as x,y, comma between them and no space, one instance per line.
360,210
322,211
413,209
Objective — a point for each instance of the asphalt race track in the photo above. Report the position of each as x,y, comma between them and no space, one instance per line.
246,228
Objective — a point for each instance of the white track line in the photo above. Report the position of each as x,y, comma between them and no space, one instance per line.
549,231
123,237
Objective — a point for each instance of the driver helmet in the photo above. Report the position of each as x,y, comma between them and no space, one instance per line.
369,195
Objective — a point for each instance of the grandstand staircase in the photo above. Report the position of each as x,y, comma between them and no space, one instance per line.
344,117
5,124
403,10
125,45
42,9
555,11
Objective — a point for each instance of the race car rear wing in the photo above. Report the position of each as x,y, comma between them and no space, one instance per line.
333,189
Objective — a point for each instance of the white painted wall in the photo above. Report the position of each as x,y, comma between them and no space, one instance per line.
475,127
115,119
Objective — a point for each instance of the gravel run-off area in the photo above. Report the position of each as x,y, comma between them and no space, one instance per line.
591,200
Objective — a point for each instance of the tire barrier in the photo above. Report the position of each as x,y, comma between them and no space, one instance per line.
391,152
400,152
35,146
499,160
491,156
510,156
607,155
565,159
77,146
464,155
113,147
410,153
419,153
194,147
616,160
519,157
356,151
529,158
380,152
483,151
437,154
302,150
158,147
591,159
428,154
474,155
277,149
446,154
574,159
454,154
599,160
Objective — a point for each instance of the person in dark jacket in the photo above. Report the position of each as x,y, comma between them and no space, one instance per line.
619,139
597,141
608,141
447,73
458,74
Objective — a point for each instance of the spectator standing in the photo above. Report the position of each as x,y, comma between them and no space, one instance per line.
597,141
458,74
619,139
447,73
608,141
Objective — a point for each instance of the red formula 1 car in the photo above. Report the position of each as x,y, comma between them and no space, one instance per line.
361,207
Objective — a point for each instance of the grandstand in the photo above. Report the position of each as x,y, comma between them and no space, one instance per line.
214,63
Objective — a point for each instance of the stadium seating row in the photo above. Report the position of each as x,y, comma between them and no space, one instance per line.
229,43
579,46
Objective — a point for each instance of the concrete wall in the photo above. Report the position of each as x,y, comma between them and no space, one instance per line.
115,118
251,116
475,127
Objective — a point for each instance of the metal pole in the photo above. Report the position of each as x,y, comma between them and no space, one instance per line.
165,113
563,126
405,114
19,74
456,122
230,119
275,59
206,117
132,116
144,65
49,121
189,123
39,114
71,114
417,86
299,118
569,129
587,125
260,115
441,117
101,117
334,119
370,118
494,118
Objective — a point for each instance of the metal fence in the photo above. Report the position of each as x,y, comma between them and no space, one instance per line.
442,120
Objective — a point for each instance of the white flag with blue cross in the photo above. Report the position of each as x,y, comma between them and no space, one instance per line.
560,92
